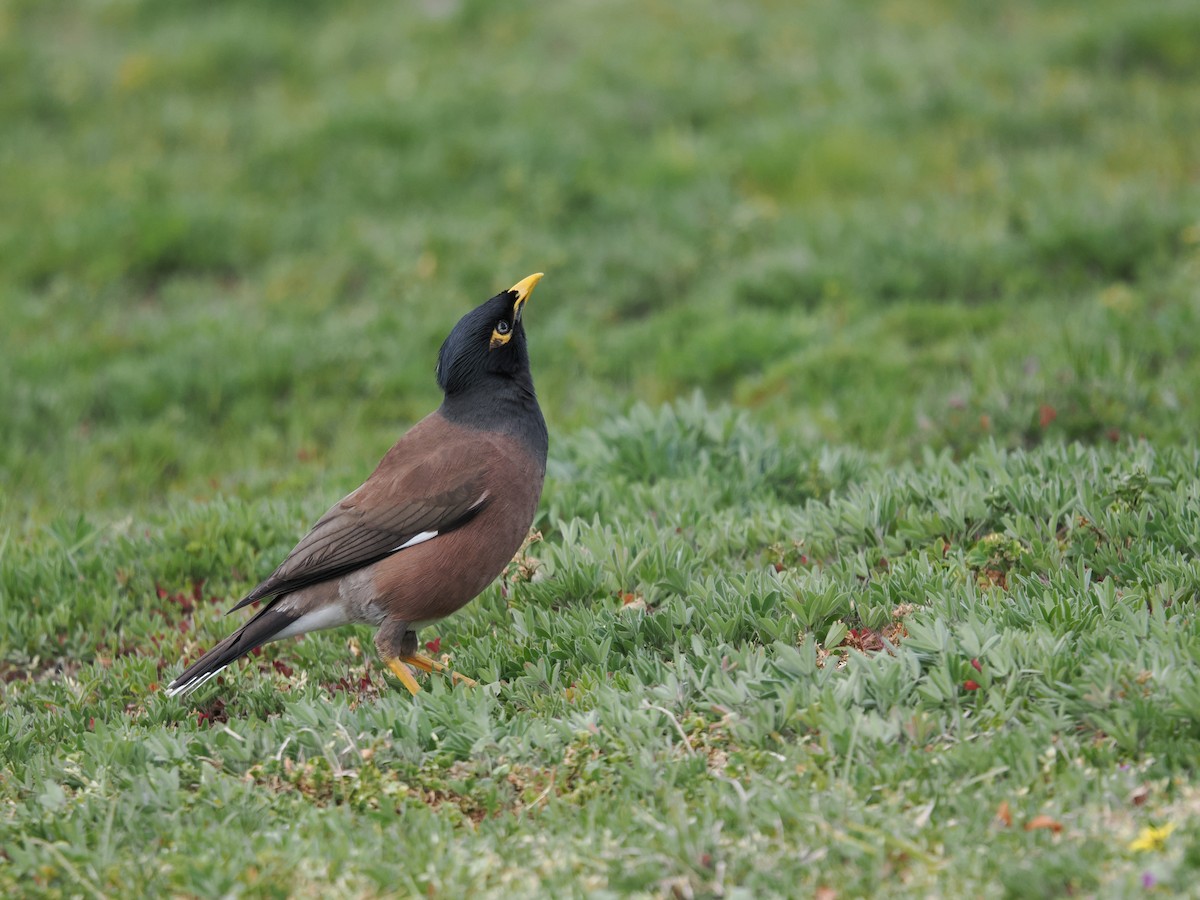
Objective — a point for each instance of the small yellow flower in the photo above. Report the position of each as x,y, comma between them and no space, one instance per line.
1151,839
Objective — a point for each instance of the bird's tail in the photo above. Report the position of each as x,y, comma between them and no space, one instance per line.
264,627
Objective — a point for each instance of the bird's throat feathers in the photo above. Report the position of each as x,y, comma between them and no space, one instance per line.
502,404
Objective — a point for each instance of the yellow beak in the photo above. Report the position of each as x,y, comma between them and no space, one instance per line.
523,289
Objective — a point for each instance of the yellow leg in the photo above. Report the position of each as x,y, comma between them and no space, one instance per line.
404,673
425,664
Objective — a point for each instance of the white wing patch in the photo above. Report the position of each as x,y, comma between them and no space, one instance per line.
413,541
430,535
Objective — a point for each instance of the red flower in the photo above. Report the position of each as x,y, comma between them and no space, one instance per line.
434,646
969,685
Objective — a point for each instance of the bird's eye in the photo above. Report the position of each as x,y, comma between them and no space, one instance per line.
502,327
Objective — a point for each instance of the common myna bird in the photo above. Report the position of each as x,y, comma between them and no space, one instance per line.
436,522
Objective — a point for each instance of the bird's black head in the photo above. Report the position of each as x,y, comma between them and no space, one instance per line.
488,344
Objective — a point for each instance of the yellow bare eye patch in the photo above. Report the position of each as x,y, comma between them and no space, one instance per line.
501,335
503,331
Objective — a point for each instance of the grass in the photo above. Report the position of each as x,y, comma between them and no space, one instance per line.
867,343
740,661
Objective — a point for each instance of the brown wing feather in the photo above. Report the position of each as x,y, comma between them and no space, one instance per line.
422,484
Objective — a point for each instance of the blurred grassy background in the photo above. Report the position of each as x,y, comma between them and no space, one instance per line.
901,237
234,234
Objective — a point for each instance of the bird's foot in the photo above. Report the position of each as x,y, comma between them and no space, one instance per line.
424,663
405,674
400,668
